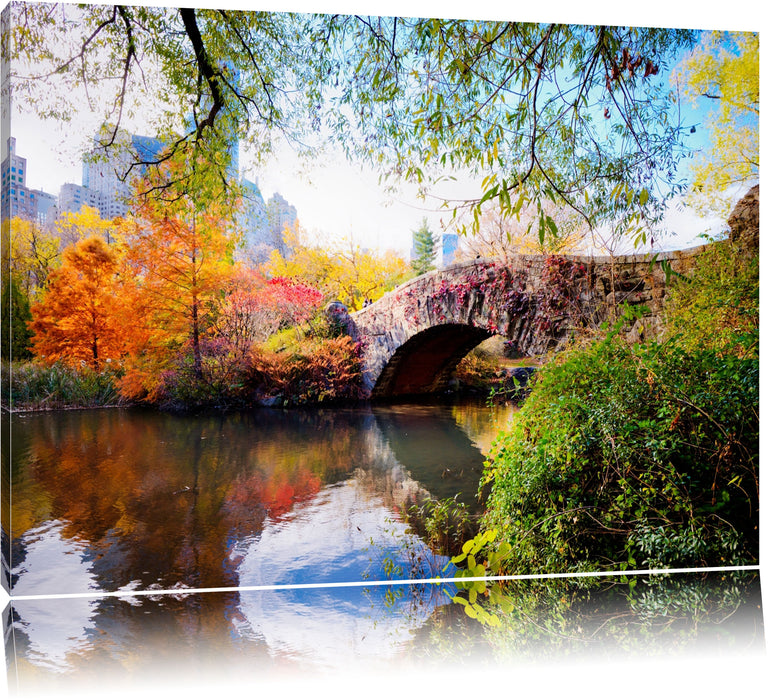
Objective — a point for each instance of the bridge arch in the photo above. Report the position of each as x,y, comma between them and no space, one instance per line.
425,363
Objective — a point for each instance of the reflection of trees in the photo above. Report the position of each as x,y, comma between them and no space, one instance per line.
482,426
433,449
255,634
159,497
644,616
123,639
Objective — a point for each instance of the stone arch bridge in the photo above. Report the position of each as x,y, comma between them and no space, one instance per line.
412,338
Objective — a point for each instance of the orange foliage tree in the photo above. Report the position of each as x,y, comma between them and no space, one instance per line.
180,251
79,318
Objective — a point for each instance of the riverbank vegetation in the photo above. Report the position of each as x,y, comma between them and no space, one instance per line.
161,308
646,454
42,387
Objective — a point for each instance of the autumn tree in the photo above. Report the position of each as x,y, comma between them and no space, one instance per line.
343,271
363,276
180,265
71,226
253,308
30,252
306,258
179,249
722,73
80,318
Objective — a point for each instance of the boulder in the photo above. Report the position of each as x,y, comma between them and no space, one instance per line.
744,222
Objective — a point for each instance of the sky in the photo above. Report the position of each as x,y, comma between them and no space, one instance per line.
333,198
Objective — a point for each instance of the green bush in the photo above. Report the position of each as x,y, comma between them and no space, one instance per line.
623,456
643,456
718,307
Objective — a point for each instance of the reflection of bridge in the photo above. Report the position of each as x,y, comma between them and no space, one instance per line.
413,338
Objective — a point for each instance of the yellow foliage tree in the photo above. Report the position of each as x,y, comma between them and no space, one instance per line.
72,227
345,272
30,252
723,71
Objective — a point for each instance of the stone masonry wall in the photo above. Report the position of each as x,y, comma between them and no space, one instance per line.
533,301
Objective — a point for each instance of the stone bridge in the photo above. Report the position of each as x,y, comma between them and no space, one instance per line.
413,338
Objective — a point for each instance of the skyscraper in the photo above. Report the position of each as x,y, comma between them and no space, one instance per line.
16,199
106,176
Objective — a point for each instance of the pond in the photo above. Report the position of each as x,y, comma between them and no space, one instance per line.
118,499
298,516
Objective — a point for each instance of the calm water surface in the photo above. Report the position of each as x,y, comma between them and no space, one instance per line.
116,499
132,501
568,636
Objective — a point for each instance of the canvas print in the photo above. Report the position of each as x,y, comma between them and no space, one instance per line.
411,308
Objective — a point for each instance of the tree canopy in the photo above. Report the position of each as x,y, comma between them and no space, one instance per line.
578,115
80,318
723,71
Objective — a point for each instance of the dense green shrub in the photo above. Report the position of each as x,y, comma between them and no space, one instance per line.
718,308
641,456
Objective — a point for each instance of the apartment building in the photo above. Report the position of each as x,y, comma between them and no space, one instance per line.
16,199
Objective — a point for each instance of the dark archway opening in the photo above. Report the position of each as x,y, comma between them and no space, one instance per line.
425,363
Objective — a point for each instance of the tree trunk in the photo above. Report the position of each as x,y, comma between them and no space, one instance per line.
95,356
195,339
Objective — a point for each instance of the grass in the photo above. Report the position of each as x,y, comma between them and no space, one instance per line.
34,386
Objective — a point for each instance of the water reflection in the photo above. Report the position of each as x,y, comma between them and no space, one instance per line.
260,637
119,499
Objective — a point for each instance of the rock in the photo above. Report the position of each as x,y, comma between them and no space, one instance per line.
337,310
339,318
270,401
521,374
744,222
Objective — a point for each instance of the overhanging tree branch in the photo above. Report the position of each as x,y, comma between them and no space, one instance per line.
205,67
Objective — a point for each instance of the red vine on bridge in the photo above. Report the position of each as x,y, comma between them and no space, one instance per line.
504,287
559,300
560,297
